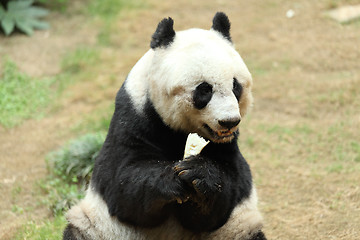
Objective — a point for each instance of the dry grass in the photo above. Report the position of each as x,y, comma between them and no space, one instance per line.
302,137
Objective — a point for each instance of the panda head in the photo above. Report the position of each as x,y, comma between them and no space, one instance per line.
196,80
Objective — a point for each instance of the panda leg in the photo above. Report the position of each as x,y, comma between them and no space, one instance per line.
245,222
258,236
72,233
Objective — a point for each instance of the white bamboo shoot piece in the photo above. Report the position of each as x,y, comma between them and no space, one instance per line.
194,145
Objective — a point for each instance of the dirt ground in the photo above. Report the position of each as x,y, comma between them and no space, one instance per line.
24,147
306,86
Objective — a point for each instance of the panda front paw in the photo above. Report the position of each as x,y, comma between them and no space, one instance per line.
172,188
200,174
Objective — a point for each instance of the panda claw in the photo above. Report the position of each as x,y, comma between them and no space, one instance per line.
182,172
176,168
194,182
181,201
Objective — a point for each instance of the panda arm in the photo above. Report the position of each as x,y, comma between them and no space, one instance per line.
220,183
134,169
143,188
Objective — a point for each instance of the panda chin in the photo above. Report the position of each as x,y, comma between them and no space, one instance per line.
219,136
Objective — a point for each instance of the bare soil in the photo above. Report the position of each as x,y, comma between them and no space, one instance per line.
23,148
306,76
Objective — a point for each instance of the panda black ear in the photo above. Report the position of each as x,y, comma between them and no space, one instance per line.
222,24
164,34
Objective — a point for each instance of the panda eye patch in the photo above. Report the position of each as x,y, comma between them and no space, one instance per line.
237,89
202,95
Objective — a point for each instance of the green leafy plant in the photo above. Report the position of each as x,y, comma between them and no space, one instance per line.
60,195
22,15
70,171
75,161
49,229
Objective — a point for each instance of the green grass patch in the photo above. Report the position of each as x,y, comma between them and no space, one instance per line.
98,121
70,170
335,168
80,59
259,69
51,229
104,37
21,96
250,142
77,65
108,11
60,195
17,209
15,192
57,5
288,134
343,142
355,146
256,69
112,8
312,157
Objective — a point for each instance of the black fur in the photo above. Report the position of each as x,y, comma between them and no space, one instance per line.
72,233
237,89
164,34
258,236
140,177
222,24
202,95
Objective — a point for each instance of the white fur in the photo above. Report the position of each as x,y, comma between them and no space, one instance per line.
170,75
244,221
137,81
92,218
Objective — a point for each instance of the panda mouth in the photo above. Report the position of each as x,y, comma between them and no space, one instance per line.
222,135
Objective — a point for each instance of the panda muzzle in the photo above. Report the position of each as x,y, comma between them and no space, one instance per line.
221,134
224,133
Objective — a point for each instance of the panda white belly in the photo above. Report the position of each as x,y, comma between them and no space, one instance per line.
91,218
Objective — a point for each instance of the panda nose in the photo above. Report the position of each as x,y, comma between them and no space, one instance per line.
229,123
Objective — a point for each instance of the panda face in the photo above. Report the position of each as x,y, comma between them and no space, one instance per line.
195,79
200,84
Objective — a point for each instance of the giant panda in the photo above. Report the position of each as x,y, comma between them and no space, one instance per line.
191,81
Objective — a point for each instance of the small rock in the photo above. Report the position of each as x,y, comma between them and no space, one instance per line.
290,13
345,14
9,180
